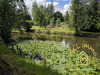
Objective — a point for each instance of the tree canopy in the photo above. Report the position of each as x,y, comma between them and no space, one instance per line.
85,15
14,10
42,14
58,14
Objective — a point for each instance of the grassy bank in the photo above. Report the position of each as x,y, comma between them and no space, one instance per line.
63,30
16,65
57,30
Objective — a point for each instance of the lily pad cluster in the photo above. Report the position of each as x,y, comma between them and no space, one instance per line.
57,56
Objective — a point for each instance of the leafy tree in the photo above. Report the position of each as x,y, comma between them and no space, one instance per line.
39,16
28,23
8,16
85,15
93,15
44,18
52,21
28,17
50,10
58,22
58,14
98,18
34,7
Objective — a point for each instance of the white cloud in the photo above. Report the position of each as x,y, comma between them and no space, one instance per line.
56,5
63,9
30,2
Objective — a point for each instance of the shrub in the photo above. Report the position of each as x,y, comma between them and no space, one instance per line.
48,32
38,31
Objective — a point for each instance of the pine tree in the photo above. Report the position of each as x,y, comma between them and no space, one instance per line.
40,16
67,16
75,9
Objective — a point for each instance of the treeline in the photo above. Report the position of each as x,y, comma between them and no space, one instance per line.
85,15
13,14
44,15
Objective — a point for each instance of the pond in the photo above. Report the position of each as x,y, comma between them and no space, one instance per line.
67,40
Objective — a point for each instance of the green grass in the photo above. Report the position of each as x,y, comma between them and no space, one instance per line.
20,65
54,30
64,29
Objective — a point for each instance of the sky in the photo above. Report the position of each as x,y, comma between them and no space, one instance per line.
60,5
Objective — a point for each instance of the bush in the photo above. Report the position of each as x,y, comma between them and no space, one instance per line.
38,31
48,32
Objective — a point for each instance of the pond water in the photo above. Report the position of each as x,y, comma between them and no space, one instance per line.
67,40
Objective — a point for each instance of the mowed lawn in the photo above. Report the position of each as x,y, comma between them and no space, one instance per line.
63,28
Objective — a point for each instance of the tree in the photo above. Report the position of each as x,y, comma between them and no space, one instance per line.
58,22
93,15
50,10
28,17
52,21
98,18
75,15
8,16
58,14
28,23
85,15
34,7
39,16
67,16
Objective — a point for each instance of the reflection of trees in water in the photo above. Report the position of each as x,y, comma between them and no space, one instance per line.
92,42
69,40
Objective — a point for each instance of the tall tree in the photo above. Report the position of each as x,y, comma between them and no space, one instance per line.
67,16
50,10
39,16
90,14
52,21
58,14
58,21
75,13
8,16
98,18
28,23
93,15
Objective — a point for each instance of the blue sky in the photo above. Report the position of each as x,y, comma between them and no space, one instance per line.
61,2
60,5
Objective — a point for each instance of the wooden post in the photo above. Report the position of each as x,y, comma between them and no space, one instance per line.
20,51
12,49
17,47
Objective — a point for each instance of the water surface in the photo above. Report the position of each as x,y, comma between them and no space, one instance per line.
67,40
